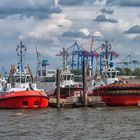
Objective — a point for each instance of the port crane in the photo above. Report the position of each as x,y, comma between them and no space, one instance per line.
129,62
65,56
75,54
41,64
105,53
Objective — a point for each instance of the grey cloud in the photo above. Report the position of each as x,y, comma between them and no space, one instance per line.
20,4
28,9
75,34
133,30
79,2
102,18
136,39
129,3
107,11
41,41
41,13
70,2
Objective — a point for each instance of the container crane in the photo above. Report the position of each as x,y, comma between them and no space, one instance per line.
41,68
129,61
106,55
65,56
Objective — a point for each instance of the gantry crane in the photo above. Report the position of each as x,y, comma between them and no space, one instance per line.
129,62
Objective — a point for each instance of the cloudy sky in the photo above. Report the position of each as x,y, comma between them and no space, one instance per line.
54,24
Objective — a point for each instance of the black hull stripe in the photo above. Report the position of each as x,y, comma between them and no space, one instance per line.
115,95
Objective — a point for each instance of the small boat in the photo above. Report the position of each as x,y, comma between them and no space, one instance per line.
67,78
20,91
112,90
68,86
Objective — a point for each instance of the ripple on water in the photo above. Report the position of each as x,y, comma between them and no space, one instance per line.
68,124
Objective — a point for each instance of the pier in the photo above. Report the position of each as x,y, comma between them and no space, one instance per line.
74,102
79,100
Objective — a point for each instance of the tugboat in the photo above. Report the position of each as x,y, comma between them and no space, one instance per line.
68,86
67,78
20,91
112,90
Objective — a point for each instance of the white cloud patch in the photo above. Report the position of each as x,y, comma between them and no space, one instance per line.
85,31
51,52
84,36
12,26
75,34
120,26
97,34
100,2
137,39
50,28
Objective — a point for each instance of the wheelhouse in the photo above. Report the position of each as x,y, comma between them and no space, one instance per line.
110,76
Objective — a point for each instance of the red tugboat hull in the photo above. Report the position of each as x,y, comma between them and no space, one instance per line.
24,99
119,94
121,100
68,92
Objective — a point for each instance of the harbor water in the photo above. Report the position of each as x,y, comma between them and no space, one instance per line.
99,123
108,123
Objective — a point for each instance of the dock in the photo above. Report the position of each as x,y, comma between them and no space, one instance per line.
75,102
80,99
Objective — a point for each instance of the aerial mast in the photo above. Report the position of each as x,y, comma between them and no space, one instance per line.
21,49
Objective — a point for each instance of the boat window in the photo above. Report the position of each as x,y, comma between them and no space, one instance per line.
23,80
28,79
51,72
113,74
68,77
36,102
17,79
12,79
39,73
44,72
72,77
108,74
25,103
64,77
105,75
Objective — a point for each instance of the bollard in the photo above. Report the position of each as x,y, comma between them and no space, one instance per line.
58,88
84,84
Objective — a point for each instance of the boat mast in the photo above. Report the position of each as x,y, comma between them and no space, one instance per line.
21,49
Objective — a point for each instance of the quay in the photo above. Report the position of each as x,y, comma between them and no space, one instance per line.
75,102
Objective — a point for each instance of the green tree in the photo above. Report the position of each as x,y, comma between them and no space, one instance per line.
77,71
128,71
137,72
124,71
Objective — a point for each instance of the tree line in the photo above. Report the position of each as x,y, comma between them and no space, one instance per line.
122,72
129,72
